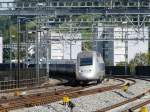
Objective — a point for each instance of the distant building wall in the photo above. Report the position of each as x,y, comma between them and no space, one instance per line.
113,52
7,5
135,47
64,49
119,46
106,47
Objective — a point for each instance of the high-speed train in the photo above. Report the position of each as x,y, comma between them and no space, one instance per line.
90,67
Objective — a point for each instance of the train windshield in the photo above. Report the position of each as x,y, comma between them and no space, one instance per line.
86,61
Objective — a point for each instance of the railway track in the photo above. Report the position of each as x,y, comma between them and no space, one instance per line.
49,97
109,108
32,88
138,106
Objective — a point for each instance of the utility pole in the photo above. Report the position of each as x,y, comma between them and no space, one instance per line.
10,43
126,48
70,42
18,56
37,50
47,53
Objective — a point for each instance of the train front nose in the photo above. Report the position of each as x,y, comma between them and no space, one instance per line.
85,74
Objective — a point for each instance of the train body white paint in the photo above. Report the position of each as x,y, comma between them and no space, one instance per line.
90,67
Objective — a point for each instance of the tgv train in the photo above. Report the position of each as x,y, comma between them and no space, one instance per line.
90,67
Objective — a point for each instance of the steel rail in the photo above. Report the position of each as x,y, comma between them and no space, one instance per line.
125,102
44,98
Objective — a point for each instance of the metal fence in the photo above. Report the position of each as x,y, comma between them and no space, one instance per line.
120,70
142,70
117,70
9,79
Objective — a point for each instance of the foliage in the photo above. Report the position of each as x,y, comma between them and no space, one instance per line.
4,26
8,28
6,54
121,64
87,46
141,59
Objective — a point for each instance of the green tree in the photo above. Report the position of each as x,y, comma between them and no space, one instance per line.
140,59
121,63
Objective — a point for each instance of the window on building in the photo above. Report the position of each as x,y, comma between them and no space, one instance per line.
95,3
61,4
54,4
75,4
89,3
68,3
82,4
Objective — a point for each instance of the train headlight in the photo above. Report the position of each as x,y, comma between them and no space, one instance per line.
80,70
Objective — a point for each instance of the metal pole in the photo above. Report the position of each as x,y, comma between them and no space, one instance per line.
18,56
37,52
26,41
93,38
47,59
50,43
70,50
126,50
10,42
70,42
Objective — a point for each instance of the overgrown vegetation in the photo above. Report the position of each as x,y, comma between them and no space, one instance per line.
141,59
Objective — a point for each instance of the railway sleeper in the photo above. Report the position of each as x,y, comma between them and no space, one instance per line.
2,109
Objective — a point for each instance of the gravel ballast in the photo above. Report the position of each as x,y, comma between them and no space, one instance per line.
93,102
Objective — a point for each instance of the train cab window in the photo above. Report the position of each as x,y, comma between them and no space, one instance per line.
86,61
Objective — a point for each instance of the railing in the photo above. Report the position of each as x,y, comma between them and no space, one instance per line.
27,78
74,7
75,3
